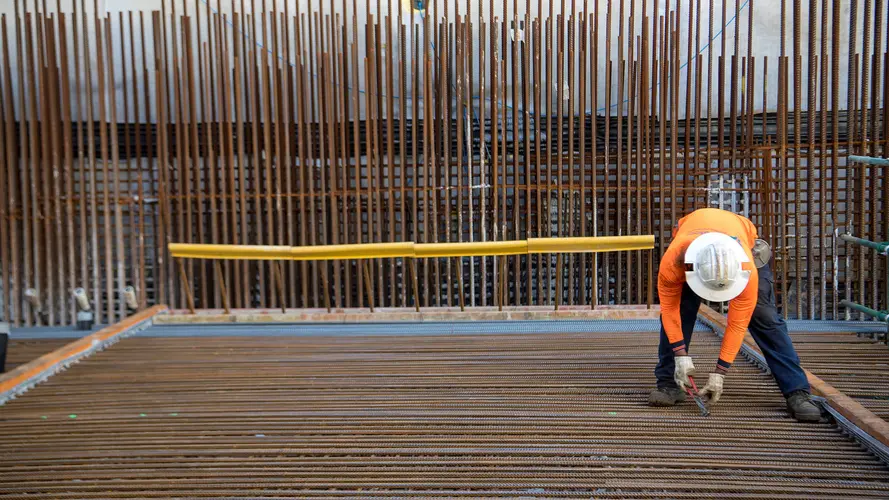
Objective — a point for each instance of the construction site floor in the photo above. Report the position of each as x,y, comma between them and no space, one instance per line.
519,415
20,351
850,359
29,343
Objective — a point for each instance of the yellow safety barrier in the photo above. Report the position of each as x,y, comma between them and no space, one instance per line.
590,244
416,250
353,251
475,249
229,252
365,251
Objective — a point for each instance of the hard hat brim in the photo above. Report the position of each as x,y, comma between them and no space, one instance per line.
707,293
694,281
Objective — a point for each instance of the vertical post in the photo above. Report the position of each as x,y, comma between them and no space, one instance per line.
279,281
558,280
326,292
461,291
368,287
186,288
496,285
501,288
413,268
221,279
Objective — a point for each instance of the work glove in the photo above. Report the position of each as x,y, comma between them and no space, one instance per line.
684,369
713,390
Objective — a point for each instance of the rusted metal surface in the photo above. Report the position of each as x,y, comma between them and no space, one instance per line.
244,124
21,351
852,362
548,415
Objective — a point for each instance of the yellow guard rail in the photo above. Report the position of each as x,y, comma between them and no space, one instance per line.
411,250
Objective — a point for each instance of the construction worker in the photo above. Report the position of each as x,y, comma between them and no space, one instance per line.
712,258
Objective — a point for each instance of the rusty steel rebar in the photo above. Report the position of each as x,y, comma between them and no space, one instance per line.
249,124
415,415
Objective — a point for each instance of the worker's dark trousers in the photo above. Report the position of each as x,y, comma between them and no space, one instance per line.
768,330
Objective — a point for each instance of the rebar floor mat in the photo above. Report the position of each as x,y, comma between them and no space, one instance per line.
855,364
20,352
530,415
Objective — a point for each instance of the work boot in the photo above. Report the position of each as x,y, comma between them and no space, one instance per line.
666,396
801,407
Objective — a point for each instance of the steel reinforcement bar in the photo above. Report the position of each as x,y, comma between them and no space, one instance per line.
553,415
34,372
850,409
324,123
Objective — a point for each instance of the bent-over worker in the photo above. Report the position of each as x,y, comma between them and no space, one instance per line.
711,257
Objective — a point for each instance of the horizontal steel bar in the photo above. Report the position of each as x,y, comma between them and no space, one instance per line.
473,416
870,160
30,374
883,247
872,444
882,316
409,328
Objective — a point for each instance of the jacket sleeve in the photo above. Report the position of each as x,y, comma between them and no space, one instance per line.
671,277
740,311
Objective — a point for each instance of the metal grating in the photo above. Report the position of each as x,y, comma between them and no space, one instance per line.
806,326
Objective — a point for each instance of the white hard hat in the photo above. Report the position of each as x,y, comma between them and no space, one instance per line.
716,259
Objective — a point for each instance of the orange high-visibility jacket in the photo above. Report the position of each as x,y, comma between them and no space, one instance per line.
671,279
